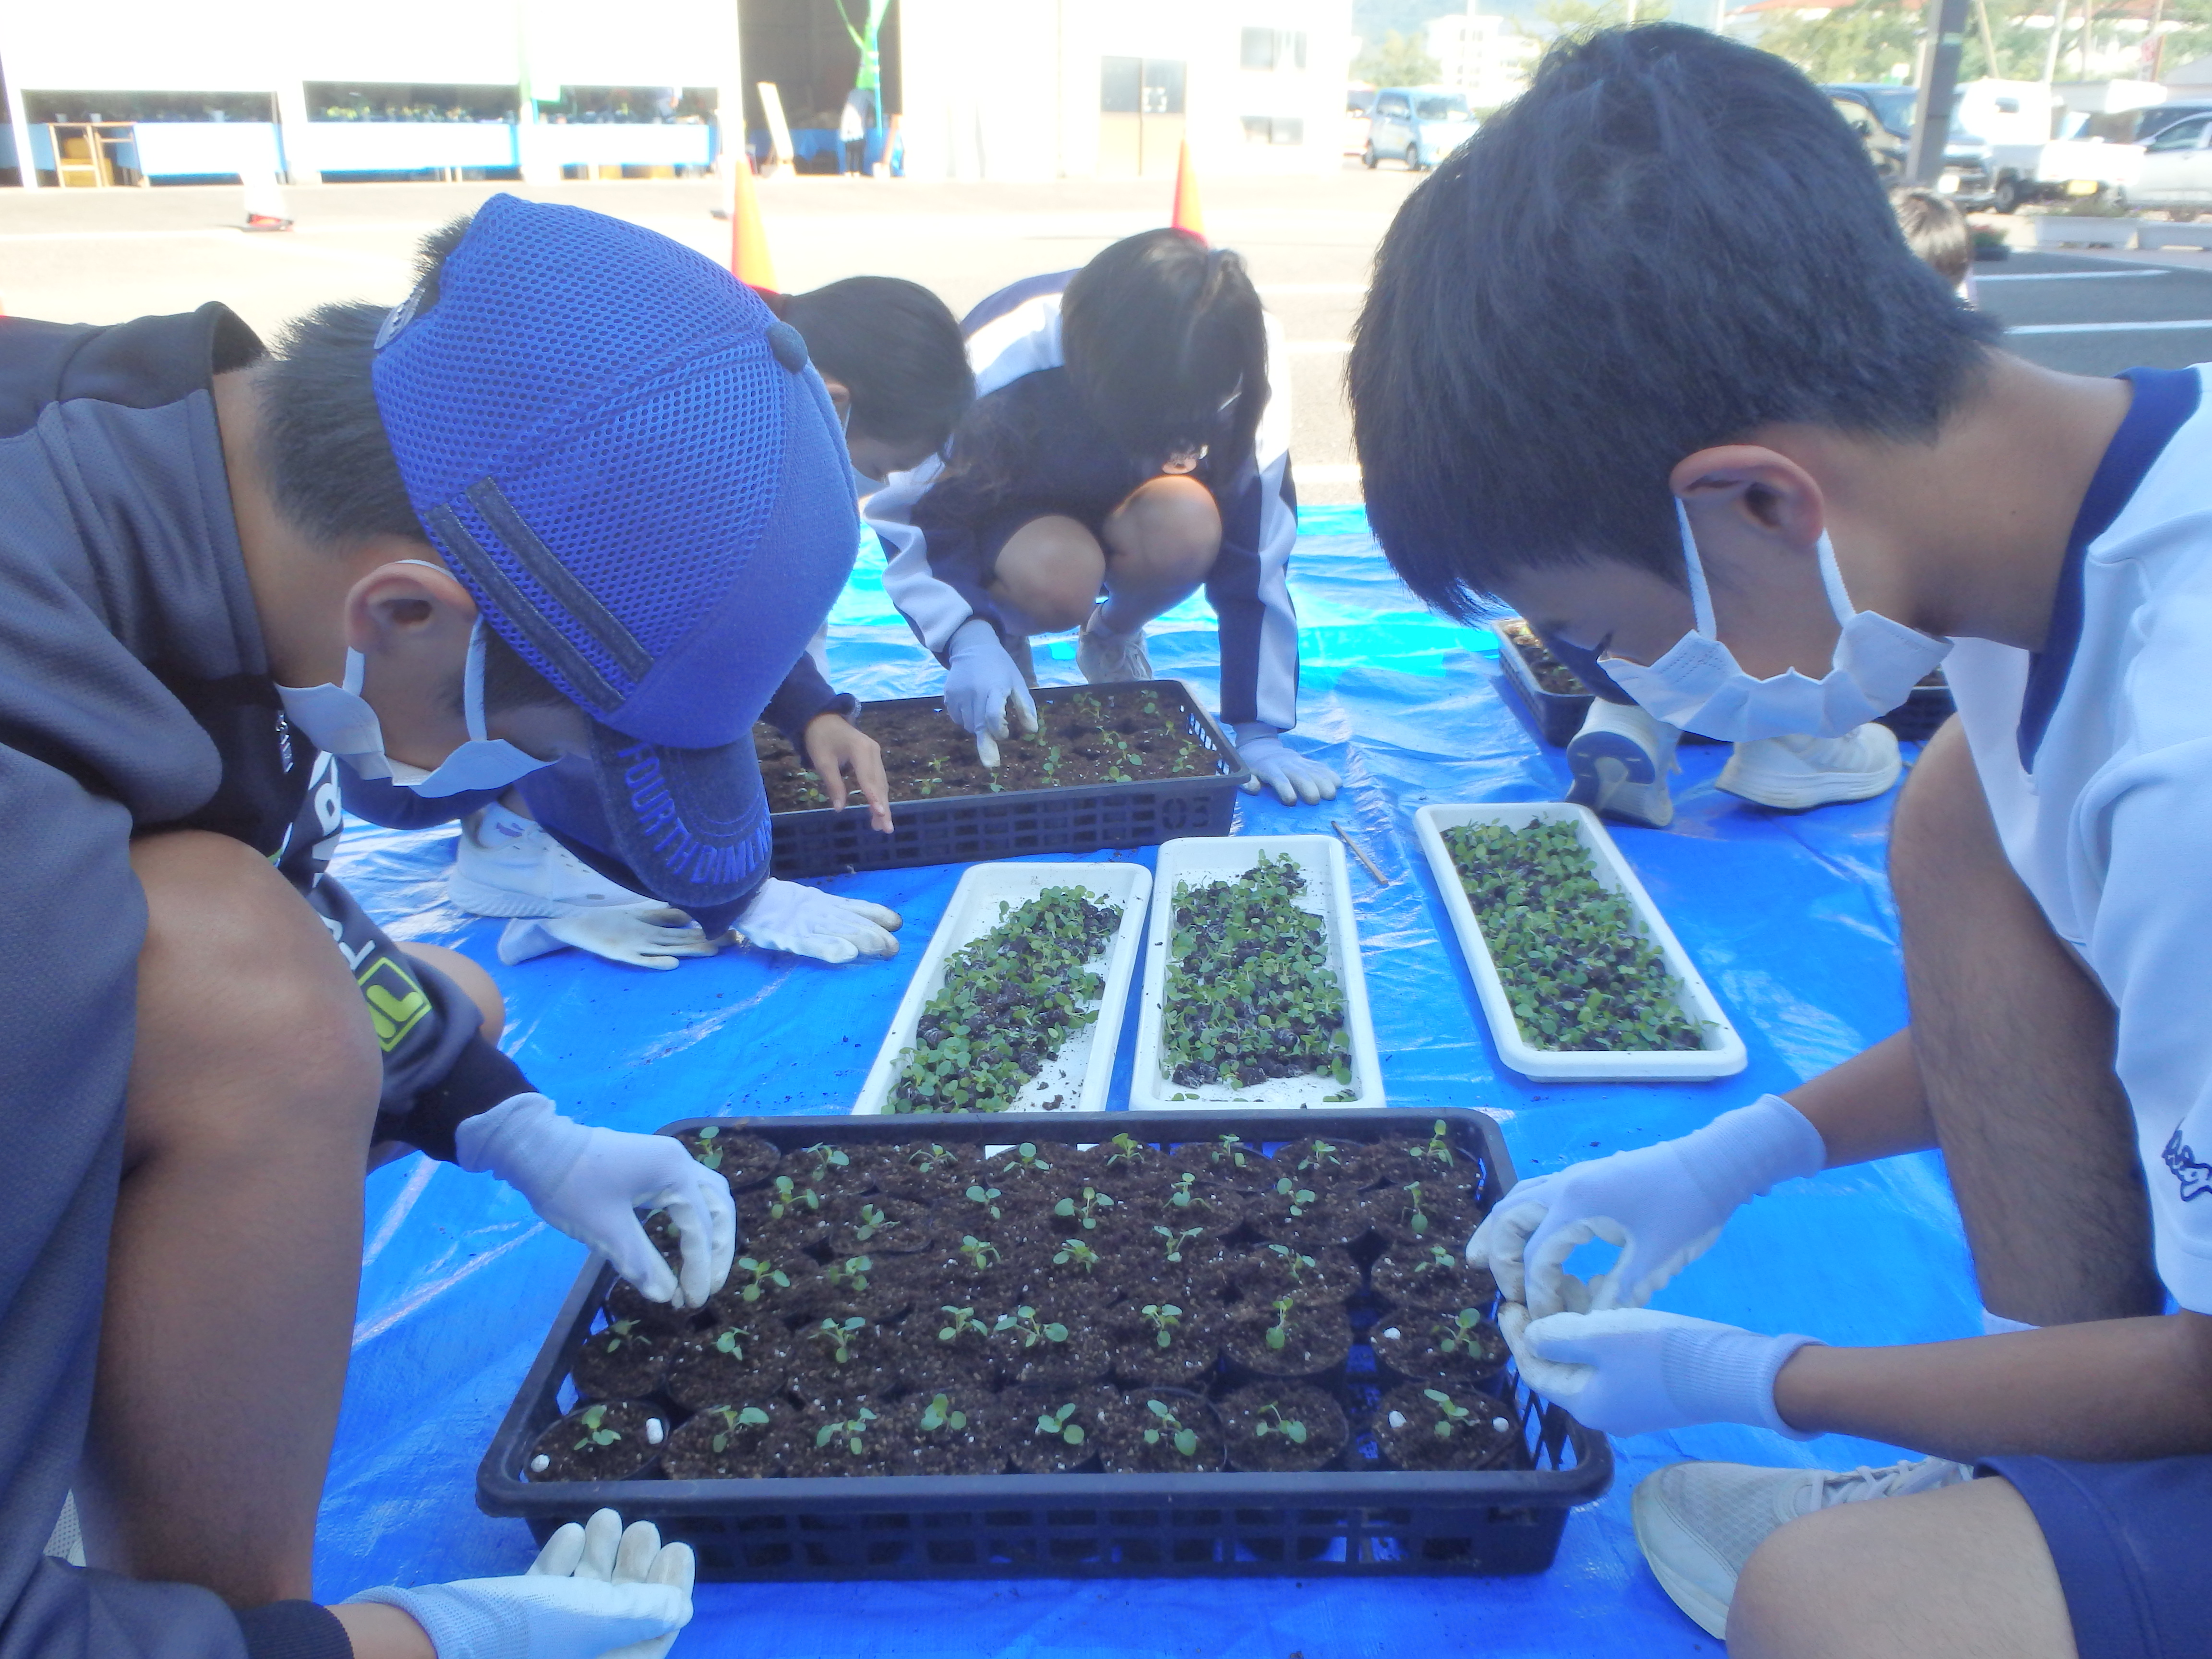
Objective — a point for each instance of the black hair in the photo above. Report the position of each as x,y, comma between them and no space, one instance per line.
1158,334
895,347
330,467
1669,242
1936,231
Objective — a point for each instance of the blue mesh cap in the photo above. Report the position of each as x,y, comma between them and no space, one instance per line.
624,457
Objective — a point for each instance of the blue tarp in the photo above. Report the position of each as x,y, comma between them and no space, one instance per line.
1789,916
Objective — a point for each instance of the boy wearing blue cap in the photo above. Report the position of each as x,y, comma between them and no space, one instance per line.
570,513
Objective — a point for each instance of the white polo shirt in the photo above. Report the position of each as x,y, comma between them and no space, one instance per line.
2096,755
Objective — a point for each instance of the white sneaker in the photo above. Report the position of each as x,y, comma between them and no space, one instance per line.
507,866
1794,773
1107,658
1697,1524
1620,760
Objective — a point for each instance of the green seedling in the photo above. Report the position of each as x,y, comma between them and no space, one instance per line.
1177,1241
1298,1198
1278,1334
734,1418
1439,1260
1055,1425
959,1320
1087,1208
1416,1218
852,1430
1026,1155
982,1255
839,1338
707,1152
931,1158
1076,1251
789,1197
1128,1149
826,1158
727,1344
618,1332
1231,1150
1448,1415
1462,1333
871,1224
1270,1420
1322,1158
1165,1319
986,1198
1033,1335
1250,994
1437,1149
939,1414
1294,1263
849,1275
596,1432
1170,1427
760,1275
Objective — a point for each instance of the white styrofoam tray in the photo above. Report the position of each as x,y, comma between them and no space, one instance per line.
1081,1072
1328,896
1723,1053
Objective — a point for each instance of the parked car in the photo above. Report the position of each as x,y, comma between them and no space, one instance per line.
1882,117
1359,113
2176,169
1418,126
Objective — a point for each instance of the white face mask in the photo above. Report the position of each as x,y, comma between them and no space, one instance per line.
337,720
1699,686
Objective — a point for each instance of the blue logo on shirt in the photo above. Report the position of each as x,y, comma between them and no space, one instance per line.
2196,1178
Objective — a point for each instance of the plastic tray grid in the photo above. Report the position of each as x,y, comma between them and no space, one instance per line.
965,829
1348,1523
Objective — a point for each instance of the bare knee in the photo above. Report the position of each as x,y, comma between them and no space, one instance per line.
1169,528
1051,569
473,983
248,1024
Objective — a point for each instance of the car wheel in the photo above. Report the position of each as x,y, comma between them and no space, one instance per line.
2006,198
1368,157
1413,158
2116,199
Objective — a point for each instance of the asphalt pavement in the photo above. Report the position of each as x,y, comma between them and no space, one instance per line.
2097,314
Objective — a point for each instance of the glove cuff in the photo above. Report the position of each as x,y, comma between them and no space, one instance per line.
461,1623
1727,1375
1743,1154
492,1142
977,634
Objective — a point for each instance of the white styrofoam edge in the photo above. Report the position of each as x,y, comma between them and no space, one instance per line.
1319,856
1723,1055
973,912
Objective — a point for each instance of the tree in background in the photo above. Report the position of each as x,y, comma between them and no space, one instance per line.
1396,60
1867,39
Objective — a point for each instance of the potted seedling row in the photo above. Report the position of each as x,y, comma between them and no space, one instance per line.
1018,1002
982,1346
1254,992
1584,978
1558,700
1109,766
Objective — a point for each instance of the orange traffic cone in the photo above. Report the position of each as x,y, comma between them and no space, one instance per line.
750,262
1189,217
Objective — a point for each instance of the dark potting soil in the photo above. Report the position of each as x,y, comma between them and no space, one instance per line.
1315,1336
605,1440
1188,1200
1414,1215
1400,1163
955,1430
1026,1355
1165,1345
709,1367
1325,1273
832,1172
625,1301
923,1168
738,1439
1039,1421
1324,1166
1086,736
1160,1432
1277,1427
620,1361
743,1160
1287,1211
760,1282
1552,674
1435,1274
863,1284
1407,1419
848,1355
1442,1350
1230,1159
1130,1162
834,1434
949,1347
878,1224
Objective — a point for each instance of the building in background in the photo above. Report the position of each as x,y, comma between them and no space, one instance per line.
198,90
1486,57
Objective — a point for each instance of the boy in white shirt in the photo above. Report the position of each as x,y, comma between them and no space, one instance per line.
1768,495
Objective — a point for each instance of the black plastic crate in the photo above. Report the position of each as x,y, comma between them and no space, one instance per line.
1558,714
962,829
1344,1523
1916,719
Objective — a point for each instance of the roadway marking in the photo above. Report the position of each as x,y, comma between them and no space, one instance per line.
1332,473
1319,348
1270,290
2112,328
2059,276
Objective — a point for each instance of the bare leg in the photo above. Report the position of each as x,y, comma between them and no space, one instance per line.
475,984
1963,1573
2014,1045
1050,570
236,1250
1160,543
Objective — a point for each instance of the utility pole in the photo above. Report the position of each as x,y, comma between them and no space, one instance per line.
1943,36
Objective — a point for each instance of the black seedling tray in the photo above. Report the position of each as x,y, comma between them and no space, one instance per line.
1559,715
1333,1523
1916,719
962,829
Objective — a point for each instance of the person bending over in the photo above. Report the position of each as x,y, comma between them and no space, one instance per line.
485,535
896,368
1781,487
1127,447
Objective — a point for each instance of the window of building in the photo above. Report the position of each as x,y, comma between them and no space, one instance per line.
1274,129
39,107
1274,49
358,101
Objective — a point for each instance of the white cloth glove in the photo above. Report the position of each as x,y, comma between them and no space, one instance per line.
981,683
1293,777
806,921
590,1184
1636,1370
594,1592
643,935
1663,1206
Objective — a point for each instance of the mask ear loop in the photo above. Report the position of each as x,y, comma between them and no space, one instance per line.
1831,578
472,708
1701,600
